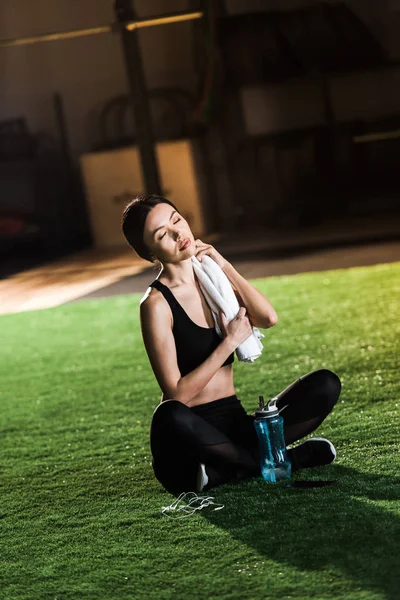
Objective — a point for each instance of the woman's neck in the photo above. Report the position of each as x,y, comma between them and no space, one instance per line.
181,273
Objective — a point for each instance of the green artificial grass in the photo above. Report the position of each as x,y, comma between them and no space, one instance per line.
80,513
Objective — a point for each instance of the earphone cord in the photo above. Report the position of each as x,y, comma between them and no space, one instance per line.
188,509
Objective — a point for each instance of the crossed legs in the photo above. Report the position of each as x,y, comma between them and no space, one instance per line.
180,439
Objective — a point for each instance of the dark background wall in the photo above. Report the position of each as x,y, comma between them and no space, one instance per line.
85,71
88,71
269,183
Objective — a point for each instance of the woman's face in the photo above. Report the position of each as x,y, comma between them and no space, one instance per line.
164,233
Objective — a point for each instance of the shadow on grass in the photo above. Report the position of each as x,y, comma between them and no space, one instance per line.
335,526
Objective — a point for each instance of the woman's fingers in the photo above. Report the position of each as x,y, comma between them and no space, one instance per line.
242,311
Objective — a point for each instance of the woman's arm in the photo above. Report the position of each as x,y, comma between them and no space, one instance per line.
260,311
158,338
194,382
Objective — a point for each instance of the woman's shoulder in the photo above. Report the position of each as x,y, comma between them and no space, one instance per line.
151,297
153,305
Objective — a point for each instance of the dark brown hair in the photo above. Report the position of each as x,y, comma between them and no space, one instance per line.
134,219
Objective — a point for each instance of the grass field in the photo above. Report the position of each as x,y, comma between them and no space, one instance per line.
80,513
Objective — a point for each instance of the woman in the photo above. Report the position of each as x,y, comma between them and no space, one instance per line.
200,434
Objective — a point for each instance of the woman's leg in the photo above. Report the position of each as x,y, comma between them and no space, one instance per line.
304,404
307,402
180,440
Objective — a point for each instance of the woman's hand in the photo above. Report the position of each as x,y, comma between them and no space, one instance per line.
239,329
202,248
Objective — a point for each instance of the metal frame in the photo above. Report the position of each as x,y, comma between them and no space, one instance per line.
127,24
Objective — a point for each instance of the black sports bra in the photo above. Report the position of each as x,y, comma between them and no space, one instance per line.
194,343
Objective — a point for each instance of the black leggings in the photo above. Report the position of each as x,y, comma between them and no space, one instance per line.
221,434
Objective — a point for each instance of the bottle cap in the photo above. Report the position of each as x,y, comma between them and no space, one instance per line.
267,411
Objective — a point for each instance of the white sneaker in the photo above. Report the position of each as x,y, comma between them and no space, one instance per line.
202,478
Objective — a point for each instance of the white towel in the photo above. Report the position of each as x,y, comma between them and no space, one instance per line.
219,293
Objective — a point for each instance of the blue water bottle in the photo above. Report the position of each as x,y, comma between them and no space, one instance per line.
268,423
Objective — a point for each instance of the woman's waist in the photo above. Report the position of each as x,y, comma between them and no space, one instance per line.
219,386
216,404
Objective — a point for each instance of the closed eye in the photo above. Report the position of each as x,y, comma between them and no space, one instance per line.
164,233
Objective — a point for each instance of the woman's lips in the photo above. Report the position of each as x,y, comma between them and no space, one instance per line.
186,244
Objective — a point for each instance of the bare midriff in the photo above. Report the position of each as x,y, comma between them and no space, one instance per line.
220,386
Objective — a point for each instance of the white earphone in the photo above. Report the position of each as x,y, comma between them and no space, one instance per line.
190,508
